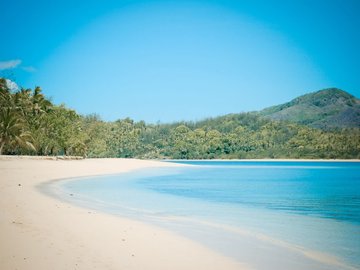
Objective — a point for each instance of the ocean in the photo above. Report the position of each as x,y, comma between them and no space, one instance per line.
271,215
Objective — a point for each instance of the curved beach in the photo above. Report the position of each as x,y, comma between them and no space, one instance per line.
41,232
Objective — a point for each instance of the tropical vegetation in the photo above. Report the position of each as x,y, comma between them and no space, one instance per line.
31,124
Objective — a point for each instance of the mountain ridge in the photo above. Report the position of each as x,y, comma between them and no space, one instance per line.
329,108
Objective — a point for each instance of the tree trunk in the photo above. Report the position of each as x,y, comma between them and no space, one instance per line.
2,146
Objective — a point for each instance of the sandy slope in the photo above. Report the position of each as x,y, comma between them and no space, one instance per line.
40,232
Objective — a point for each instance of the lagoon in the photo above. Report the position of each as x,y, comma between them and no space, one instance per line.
270,215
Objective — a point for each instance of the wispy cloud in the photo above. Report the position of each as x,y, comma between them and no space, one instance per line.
9,64
29,69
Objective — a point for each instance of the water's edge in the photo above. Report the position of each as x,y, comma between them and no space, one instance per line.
227,239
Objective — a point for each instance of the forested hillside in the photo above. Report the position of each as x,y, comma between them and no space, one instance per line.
31,124
326,109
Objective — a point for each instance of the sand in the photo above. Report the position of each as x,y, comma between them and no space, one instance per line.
41,232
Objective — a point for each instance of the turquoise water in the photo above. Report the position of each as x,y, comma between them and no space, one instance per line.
293,206
328,190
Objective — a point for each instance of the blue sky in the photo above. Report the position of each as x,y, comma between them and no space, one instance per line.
179,60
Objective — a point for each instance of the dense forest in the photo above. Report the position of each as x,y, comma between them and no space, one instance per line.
31,124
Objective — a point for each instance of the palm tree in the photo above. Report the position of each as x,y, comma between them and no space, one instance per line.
12,130
5,94
40,103
23,104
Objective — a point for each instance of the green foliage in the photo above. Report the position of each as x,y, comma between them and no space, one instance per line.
13,132
31,124
325,109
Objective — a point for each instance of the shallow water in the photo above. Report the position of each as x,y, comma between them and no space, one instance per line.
245,210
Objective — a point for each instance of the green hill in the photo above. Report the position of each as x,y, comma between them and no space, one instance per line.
30,124
325,109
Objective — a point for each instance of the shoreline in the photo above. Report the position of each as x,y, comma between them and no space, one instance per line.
69,158
212,235
41,232
38,230
269,160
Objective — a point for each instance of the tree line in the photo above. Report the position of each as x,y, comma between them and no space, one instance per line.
31,124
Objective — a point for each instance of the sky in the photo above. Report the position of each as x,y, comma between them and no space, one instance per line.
166,61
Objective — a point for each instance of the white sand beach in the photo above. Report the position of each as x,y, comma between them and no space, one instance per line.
41,232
